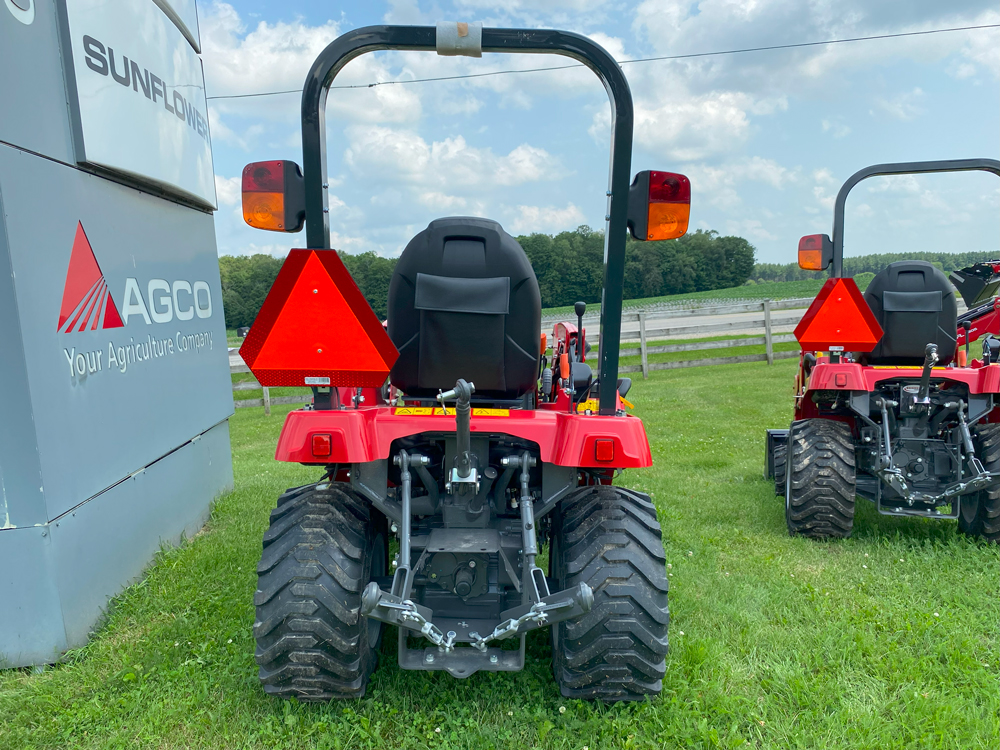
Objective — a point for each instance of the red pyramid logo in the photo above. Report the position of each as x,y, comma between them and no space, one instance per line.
86,302
316,328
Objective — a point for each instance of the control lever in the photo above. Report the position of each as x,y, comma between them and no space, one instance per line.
579,308
463,476
930,359
966,326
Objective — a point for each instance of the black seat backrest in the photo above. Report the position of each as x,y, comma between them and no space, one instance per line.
915,304
464,303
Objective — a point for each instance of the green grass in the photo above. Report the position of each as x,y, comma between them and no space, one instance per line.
886,640
767,290
246,377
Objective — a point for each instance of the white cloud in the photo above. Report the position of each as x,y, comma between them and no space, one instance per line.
897,183
438,201
824,177
751,228
722,185
277,57
836,129
903,106
679,26
405,12
407,157
550,219
228,190
981,49
683,127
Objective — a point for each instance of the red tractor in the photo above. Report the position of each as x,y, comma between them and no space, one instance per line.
439,488
889,405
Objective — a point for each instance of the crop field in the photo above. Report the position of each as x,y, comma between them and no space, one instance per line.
885,640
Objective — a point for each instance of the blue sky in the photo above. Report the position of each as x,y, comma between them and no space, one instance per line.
766,137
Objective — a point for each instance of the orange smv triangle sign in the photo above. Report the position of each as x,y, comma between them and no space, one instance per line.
316,328
838,317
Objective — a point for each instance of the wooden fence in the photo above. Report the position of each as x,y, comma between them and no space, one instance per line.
644,333
769,339
267,402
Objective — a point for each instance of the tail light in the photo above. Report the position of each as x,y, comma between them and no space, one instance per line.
274,196
659,205
815,252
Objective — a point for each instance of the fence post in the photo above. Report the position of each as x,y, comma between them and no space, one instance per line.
768,344
642,344
267,401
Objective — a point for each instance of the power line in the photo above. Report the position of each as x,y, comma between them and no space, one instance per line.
626,62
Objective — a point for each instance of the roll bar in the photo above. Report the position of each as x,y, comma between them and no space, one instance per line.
879,170
533,41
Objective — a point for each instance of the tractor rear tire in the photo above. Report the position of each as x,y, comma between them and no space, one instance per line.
609,538
324,544
980,511
778,461
820,480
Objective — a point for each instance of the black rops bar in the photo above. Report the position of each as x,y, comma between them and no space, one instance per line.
372,38
879,170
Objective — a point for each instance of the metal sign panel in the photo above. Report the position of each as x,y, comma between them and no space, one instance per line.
120,313
184,14
137,91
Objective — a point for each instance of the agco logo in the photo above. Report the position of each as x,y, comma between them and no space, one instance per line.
87,304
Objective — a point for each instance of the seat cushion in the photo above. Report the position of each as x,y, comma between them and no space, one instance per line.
464,303
915,304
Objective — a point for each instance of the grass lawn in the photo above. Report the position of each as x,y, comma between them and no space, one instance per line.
886,640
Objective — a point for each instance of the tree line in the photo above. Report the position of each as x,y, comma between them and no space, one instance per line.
569,267
865,264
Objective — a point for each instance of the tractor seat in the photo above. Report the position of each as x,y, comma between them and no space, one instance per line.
915,304
464,303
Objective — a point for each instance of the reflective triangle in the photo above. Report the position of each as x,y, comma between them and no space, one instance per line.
839,316
316,324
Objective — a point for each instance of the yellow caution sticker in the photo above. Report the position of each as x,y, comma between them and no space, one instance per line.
436,411
591,404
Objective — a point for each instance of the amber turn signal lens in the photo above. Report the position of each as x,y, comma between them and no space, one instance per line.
668,221
264,210
811,260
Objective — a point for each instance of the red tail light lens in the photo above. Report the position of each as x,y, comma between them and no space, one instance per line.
667,187
604,450
322,445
